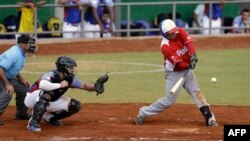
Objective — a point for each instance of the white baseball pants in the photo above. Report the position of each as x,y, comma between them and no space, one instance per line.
57,106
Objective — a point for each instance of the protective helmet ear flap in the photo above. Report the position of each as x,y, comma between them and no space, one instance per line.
161,31
58,63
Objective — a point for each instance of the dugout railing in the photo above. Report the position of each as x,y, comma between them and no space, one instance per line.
128,6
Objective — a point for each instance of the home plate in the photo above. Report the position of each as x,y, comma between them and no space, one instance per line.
185,130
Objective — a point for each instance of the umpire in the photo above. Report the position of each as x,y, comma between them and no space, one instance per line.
11,63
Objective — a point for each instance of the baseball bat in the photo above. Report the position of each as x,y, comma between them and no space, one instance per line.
179,82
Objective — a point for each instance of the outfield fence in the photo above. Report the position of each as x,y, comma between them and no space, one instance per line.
128,6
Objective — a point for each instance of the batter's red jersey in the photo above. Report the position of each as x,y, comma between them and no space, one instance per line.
177,50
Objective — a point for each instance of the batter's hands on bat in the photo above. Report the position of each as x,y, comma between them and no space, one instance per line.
99,84
194,60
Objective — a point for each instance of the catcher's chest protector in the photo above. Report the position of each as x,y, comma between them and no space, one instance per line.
58,92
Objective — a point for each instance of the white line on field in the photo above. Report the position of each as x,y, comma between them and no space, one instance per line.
104,62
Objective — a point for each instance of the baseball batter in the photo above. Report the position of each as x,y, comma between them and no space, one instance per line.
179,55
46,98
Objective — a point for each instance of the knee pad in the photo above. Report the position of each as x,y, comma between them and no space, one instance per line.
74,106
46,96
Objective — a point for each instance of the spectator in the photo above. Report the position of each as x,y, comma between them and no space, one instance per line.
217,10
241,21
178,21
2,30
72,18
26,15
198,17
11,80
93,15
157,20
54,25
106,23
10,23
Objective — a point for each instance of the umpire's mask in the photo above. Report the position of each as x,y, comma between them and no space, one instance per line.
32,45
31,41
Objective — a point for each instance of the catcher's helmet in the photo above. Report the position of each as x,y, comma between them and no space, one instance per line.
27,39
64,62
167,26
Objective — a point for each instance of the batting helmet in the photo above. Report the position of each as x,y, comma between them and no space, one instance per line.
27,39
64,62
167,26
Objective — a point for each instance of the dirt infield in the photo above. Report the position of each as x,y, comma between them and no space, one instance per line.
116,121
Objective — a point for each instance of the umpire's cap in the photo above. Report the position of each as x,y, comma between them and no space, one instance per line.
24,38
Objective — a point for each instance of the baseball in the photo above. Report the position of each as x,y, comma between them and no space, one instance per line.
213,79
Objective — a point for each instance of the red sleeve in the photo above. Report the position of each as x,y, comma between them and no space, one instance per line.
180,66
188,42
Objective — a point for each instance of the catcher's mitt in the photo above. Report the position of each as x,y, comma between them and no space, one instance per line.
99,84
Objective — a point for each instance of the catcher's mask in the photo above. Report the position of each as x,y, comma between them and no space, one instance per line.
167,26
31,41
64,63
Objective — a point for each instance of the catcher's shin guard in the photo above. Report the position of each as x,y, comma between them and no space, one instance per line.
74,107
208,115
39,109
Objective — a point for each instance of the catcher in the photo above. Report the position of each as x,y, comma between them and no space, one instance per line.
46,98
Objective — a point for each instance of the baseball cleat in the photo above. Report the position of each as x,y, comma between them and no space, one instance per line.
212,123
56,122
139,120
33,128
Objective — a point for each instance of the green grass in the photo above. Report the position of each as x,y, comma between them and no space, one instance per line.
129,83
